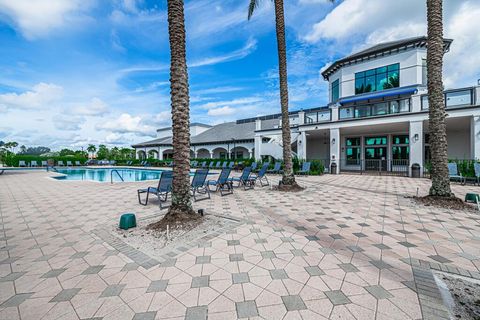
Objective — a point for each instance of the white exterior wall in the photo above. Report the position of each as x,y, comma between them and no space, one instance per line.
416,145
318,149
475,137
410,70
458,143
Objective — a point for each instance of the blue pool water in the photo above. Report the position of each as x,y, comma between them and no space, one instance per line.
104,174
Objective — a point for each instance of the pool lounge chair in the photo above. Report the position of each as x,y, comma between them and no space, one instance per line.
453,173
161,191
194,164
305,168
218,165
211,165
199,184
112,162
254,166
231,164
78,163
244,179
261,177
60,163
44,163
203,165
69,163
22,163
33,163
276,168
222,183
129,162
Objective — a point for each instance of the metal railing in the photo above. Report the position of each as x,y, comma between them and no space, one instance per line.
454,98
376,166
118,173
318,116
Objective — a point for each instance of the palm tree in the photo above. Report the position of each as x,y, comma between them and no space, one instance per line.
181,203
91,149
438,135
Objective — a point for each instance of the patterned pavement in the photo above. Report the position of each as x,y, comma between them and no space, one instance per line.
348,247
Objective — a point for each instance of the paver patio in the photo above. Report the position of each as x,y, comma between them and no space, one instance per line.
349,247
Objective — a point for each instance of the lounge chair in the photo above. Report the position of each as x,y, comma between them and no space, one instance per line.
112,162
78,163
225,164
261,177
222,183
44,163
454,174
276,168
199,184
161,191
231,164
33,163
218,165
254,166
194,164
305,168
244,179
211,165
69,163
22,163
60,163
203,165
129,162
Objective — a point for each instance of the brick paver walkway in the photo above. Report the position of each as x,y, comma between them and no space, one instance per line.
349,247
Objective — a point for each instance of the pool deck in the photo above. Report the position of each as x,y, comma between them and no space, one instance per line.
348,247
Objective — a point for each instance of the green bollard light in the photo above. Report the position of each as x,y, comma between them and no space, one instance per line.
128,221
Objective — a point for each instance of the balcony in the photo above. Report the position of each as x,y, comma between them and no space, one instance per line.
454,98
374,109
318,116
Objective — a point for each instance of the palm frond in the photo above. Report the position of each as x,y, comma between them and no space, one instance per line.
251,8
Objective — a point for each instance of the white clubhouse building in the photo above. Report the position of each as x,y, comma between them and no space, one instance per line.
376,119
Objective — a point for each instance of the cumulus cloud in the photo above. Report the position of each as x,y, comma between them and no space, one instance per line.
95,107
37,18
68,123
41,95
127,123
115,138
222,111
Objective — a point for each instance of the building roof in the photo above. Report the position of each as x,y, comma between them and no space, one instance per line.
380,50
219,133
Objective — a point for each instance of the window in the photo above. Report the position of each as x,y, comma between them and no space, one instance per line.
335,90
400,149
352,151
377,79
346,113
223,155
372,141
458,98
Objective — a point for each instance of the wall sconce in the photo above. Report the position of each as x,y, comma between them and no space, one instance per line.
333,141
415,137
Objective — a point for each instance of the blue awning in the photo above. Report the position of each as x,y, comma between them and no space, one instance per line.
379,94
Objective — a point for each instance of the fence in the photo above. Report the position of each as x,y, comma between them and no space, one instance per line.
376,166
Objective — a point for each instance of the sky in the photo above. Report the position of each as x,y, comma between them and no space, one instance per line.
79,72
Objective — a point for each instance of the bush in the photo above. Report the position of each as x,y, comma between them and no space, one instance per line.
13,161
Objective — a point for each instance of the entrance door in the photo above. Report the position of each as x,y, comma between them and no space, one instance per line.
376,153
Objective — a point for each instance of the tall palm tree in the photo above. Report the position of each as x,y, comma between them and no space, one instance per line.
91,149
181,203
287,178
438,132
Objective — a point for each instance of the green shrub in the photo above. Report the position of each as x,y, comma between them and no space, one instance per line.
14,160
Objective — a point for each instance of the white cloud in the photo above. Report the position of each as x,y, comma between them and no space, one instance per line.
241,53
222,111
38,18
95,107
115,138
41,95
127,123
68,122
233,102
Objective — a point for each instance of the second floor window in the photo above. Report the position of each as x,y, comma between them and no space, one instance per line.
377,79
335,90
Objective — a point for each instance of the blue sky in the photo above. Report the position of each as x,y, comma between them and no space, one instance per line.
74,72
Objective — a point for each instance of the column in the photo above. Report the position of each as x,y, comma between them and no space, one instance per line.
160,154
250,153
416,145
335,147
301,117
474,137
334,112
302,146
258,147
136,154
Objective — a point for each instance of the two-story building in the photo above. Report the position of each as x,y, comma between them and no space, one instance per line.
376,119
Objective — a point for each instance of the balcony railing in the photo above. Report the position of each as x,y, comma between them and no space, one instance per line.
454,98
318,116
375,109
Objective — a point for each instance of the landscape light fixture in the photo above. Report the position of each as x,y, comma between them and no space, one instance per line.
415,137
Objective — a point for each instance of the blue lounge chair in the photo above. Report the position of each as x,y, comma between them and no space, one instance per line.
211,165
222,183
112,162
199,184
225,164
218,165
261,177
60,163
276,168
129,162
33,163
69,163
454,174
305,168
22,163
231,164
78,163
194,164
44,163
161,191
254,166
244,179
203,165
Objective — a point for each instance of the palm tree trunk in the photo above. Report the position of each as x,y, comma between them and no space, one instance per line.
437,128
181,202
288,178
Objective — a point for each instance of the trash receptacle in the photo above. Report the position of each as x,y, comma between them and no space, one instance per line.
415,170
333,168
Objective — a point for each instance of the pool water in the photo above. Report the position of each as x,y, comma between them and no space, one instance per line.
105,174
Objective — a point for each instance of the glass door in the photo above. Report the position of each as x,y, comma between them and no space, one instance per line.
376,153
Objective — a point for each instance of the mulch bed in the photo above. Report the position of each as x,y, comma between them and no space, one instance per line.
452,203
288,188
176,220
466,296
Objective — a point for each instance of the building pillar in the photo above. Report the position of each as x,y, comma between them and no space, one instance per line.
160,154
302,146
416,145
334,112
301,117
416,103
475,137
258,148
335,147
136,154
250,154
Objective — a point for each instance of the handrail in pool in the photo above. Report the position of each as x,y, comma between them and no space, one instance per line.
111,175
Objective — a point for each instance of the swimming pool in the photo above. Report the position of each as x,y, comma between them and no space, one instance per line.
105,174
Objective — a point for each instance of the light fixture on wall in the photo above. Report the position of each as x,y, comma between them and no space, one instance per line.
333,141
415,137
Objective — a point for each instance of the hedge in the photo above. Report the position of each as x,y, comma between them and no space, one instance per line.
12,161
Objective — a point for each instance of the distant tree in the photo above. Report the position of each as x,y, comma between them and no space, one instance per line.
66,152
23,149
114,153
34,151
127,153
91,149
103,152
1,143
81,153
